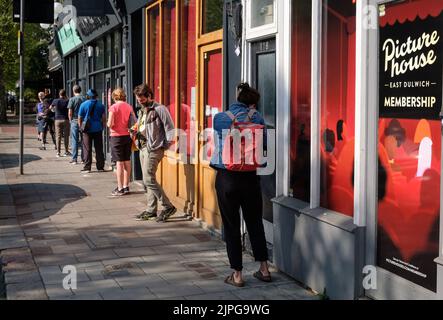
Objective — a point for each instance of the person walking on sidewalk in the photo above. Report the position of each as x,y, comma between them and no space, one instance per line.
121,116
62,127
46,120
155,130
92,112
73,109
240,189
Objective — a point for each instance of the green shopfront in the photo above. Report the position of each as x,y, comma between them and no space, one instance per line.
93,57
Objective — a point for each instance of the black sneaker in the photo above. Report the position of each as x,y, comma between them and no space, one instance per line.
67,154
126,190
165,214
145,216
42,148
73,162
117,192
85,171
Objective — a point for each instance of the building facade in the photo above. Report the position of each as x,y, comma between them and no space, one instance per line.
353,89
93,49
352,92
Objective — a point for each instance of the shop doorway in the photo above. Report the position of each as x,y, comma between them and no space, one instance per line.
404,232
210,103
263,78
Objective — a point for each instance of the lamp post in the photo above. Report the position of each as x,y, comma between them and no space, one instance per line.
21,98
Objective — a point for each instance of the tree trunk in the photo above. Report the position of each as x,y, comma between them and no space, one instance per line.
3,99
3,103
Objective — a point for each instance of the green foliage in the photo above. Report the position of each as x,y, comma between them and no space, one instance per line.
36,49
30,95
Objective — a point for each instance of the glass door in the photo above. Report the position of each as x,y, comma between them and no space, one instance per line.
263,78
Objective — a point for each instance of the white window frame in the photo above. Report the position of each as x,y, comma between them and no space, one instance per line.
265,30
361,110
282,21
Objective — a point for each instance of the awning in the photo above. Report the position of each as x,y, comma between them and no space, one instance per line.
410,11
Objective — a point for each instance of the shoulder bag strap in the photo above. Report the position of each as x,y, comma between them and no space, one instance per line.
251,113
91,111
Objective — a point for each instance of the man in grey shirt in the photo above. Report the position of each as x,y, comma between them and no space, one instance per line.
155,131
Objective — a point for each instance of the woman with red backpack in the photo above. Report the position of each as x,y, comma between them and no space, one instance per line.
238,185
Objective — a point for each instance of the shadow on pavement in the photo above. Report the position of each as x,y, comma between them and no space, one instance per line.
36,201
9,160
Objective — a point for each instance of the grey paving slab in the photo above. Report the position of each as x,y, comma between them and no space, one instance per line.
26,291
22,277
134,252
57,292
54,275
156,267
96,255
145,281
97,286
67,219
180,277
82,297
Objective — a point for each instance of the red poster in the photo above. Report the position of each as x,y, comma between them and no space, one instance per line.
410,92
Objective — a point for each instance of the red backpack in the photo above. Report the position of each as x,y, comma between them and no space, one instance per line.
243,145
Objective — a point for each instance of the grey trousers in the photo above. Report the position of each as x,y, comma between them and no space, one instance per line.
149,161
62,128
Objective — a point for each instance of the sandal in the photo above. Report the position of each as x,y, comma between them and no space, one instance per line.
230,280
259,275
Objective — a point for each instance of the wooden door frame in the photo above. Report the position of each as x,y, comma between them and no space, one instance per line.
200,113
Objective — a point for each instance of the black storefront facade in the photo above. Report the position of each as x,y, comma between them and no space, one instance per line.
93,55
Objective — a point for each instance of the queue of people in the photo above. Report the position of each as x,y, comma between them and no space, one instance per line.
152,132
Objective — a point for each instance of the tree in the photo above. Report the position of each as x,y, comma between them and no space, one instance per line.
8,56
36,54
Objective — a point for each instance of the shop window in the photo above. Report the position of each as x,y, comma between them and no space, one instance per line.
262,13
91,56
118,48
338,106
74,67
108,52
212,15
99,55
99,87
300,152
169,56
154,51
81,65
409,139
188,75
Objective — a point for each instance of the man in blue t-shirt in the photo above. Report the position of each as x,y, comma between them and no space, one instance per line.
93,111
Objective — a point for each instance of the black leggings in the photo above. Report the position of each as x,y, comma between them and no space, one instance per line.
237,190
49,125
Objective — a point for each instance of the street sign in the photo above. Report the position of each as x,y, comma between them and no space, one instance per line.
36,11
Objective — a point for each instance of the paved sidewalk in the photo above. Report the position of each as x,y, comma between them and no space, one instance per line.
54,216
